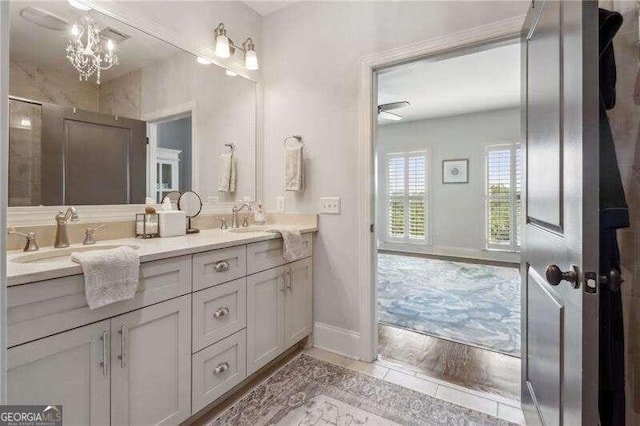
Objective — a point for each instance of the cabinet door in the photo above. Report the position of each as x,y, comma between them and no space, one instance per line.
151,364
298,301
265,317
69,369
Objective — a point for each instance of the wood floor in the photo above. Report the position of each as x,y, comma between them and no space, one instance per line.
463,365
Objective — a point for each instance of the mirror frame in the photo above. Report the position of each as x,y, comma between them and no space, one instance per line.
44,215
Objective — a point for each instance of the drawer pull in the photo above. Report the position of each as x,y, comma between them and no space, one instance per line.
221,266
221,313
104,362
221,368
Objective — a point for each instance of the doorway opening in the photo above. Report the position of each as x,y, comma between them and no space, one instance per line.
170,155
448,217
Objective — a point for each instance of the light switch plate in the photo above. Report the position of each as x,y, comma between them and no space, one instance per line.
280,204
330,205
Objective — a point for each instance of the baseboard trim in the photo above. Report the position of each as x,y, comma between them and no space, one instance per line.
337,340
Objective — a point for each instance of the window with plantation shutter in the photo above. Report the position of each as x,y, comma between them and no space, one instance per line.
407,197
503,202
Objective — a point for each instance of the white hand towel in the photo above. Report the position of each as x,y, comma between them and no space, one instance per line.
293,169
293,244
227,173
109,275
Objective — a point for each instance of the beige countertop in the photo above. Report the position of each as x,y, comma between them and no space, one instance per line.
149,249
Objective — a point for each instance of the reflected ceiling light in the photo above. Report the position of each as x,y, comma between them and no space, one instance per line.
231,73
224,48
87,52
78,5
389,116
204,61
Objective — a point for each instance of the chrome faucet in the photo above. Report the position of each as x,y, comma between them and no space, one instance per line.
234,217
62,238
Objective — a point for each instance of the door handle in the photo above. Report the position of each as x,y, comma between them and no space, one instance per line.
103,363
613,278
123,344
555,275
289,286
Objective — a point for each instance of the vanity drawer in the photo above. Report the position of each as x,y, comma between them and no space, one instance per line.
268,254
218,369
44,308
219,312
219,266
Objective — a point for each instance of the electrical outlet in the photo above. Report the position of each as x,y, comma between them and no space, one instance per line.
330,205
280,204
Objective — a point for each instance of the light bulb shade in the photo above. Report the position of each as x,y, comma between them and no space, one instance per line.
222,46
203,61
251,60
231,73
110,44
389,116
79,5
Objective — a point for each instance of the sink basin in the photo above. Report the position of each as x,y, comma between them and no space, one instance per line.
61,254
251,229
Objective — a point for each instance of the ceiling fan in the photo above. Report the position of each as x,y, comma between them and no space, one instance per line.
383,110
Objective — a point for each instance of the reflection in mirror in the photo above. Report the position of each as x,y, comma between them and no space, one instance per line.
150,121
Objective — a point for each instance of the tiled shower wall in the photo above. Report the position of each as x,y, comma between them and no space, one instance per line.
625,120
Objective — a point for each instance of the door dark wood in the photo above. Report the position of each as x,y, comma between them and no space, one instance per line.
560,134
90,158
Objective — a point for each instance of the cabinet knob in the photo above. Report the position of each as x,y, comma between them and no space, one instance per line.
221,312
221,266
221,368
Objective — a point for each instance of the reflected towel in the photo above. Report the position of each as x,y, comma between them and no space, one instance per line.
293,169
109,275
293,247
227,173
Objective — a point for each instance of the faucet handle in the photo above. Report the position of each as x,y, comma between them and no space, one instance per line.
31,244
88,234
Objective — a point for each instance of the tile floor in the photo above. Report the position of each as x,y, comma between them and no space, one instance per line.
495,405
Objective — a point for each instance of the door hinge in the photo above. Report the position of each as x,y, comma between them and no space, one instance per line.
147,138
590,282
371,228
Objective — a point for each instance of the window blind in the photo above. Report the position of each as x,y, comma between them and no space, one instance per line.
503,197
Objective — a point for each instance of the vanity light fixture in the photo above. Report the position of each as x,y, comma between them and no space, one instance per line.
224,48
78,5
91,54
204,61
231,73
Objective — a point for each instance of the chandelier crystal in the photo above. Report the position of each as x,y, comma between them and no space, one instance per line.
88,53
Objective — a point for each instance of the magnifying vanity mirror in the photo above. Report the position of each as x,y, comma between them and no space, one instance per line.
151,121
190,203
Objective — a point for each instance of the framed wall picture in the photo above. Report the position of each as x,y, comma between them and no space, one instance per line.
455,171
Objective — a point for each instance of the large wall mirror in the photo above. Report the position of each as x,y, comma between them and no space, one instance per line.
153,120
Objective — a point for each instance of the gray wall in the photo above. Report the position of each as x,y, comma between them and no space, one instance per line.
176,134
457,211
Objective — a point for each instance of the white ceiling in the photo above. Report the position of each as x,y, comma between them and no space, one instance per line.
46,48
265,7
479,81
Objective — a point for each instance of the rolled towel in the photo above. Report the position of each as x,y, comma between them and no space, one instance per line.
294,169
109,275
227,173
293,244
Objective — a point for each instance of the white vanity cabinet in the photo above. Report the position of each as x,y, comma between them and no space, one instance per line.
71,369
151,364
279,311
199,325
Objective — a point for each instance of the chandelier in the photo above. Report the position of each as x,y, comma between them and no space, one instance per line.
88,53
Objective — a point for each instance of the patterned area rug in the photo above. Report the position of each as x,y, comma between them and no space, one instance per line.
469,303
308,391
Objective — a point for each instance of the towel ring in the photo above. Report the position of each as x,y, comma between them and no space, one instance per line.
296,137
231,146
